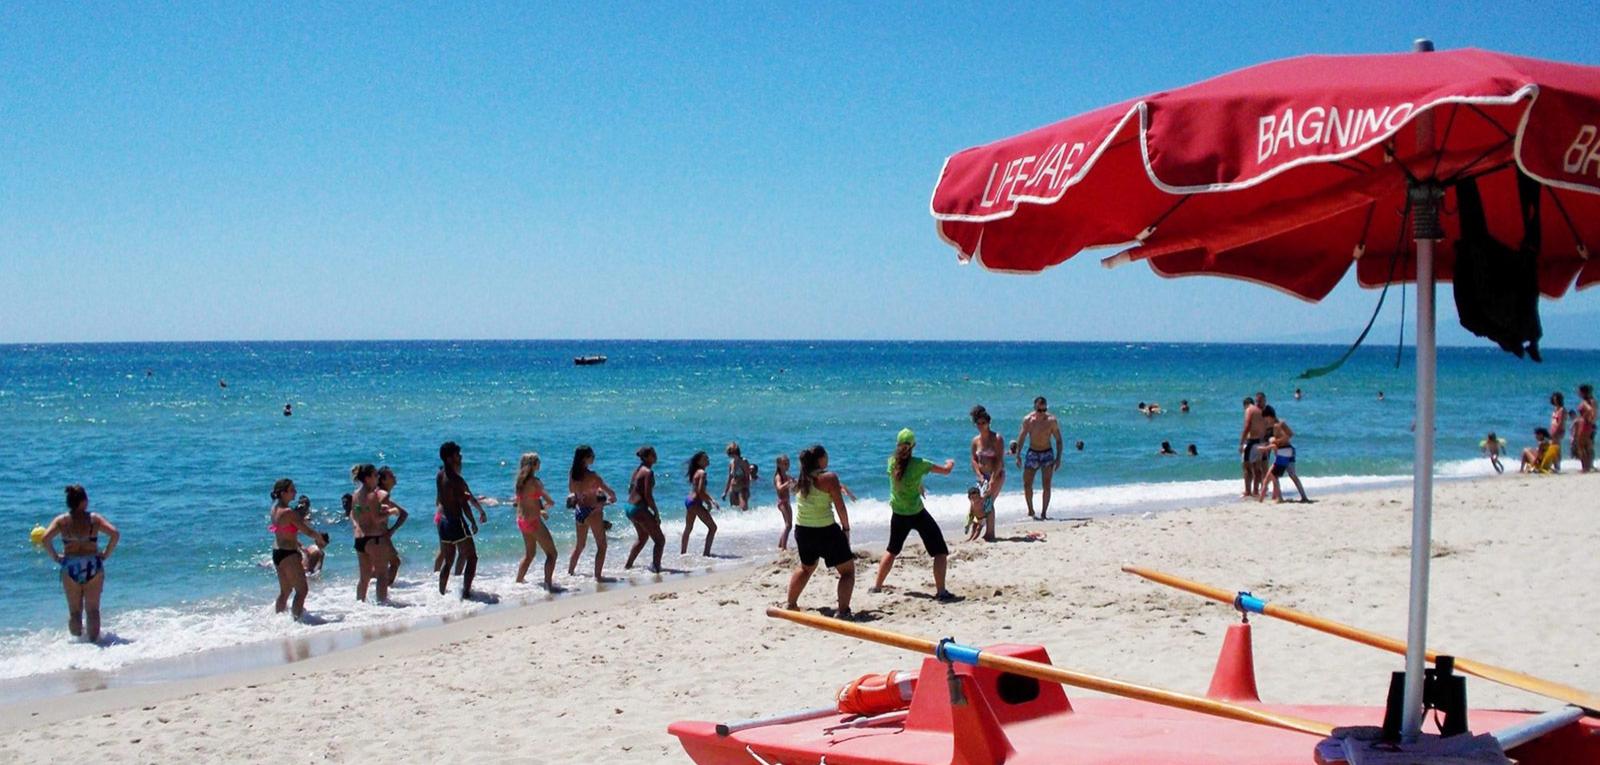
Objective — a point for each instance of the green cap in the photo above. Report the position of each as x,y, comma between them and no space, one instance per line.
906,437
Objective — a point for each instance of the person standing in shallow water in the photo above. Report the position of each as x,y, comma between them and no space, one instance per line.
454,500
642,511
698,504
591,495
82,562
286,524
906,472
530,503
1042,446
816,535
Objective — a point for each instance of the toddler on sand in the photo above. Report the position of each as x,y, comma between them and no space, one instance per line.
977,510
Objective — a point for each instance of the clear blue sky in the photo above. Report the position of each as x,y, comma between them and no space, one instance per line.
536,170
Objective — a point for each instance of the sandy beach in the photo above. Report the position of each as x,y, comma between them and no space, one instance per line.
597,679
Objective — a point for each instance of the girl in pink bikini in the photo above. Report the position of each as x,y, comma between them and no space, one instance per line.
531,503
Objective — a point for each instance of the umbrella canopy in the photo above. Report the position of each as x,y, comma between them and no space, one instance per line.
1289,172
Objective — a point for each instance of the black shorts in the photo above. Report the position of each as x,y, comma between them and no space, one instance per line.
901,526
1249,454
362,542
828,543
453,529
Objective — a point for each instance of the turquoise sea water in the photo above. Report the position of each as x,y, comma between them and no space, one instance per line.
183,465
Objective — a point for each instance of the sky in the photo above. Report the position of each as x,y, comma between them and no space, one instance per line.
220,171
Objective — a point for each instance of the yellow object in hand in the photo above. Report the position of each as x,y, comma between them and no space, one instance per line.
37,535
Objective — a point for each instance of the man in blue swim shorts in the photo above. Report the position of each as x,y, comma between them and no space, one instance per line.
1042,442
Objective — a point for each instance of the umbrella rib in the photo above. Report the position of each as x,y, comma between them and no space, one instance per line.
1438,156
1162,218
1576,237
1460,175
1491,121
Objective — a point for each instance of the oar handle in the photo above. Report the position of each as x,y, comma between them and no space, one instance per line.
955,652
1490,672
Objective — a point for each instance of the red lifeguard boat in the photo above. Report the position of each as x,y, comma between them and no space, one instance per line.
965,711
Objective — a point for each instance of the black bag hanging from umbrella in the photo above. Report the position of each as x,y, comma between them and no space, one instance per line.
1497,287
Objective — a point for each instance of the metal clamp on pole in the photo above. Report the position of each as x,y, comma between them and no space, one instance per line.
1248,604
949,652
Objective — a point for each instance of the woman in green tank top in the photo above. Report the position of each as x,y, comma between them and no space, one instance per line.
816,534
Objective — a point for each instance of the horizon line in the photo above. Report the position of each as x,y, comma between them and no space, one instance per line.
1487,345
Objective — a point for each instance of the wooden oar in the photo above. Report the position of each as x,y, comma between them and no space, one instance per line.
1488,672
967,655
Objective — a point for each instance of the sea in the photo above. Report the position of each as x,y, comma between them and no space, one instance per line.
178,444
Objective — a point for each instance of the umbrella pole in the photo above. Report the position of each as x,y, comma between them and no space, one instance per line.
1421,498
1425,222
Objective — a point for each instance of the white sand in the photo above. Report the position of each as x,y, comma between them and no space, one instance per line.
597,679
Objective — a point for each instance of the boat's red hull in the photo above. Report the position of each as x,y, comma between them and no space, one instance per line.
1024,723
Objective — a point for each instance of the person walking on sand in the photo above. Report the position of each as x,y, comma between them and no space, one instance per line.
1558,426
906,472
698,504
782,485
1041,437
592,495
1251,436
1492,445
454,501
642,510
988,465
83,562
1280,445
286,525
1583,429
817,536
386,482
736,490
532,502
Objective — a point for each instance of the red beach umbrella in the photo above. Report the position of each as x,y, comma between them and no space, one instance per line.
1289,172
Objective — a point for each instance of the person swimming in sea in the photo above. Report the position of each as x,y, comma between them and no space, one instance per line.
642,511
82,561
817,536
698,504
736,490
1167,450
1193,452
591,495
988,464
454,500
782,485
531,505
286,524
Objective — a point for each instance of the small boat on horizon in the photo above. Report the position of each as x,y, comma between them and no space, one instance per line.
588,361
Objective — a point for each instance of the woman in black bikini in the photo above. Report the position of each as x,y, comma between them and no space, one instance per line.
592,495
698,504
82,561
286,525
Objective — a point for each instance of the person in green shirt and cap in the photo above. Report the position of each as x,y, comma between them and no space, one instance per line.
906,472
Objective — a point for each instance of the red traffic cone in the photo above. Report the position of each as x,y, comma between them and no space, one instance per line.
1235,676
